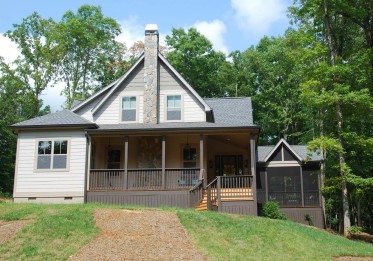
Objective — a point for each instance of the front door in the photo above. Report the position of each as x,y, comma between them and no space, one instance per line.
228,165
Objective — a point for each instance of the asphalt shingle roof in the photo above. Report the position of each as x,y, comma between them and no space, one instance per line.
63,118
232,111
228,113
301,150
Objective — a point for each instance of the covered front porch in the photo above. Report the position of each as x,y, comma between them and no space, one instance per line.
172,169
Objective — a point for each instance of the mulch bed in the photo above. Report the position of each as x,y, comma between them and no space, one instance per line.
138,235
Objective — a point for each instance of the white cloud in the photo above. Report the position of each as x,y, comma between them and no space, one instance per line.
214,31
133,31
257,16
52,95
8,49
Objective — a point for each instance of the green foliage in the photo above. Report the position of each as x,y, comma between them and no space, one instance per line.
337,89
192,55
271,73
355,230
88,50
309,219
37,65
271,209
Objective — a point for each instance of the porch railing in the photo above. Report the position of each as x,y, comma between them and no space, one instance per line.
229,188
139,179
196,193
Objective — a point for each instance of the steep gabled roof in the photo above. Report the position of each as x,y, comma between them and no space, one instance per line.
59,119
229,113
181,78
299,151
109,89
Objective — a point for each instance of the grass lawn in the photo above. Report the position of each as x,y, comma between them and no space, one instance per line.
59,231
232,237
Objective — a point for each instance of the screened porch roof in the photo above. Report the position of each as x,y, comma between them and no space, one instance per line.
299,151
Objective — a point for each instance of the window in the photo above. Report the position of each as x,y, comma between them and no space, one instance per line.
52,154
189,157
113,159
129,108
174,108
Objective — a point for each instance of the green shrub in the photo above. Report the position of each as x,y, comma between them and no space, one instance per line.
309,219
271,209
355,230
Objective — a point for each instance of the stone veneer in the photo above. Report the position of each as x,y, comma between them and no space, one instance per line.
149,152
151,74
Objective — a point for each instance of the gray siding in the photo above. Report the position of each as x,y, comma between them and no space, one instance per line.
243,207
297,215
143,198
192,110
31,182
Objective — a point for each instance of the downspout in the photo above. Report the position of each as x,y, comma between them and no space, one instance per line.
87,160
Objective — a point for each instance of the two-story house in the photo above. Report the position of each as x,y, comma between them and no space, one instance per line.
146,139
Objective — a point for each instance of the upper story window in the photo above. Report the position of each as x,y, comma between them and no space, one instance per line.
129,108
174,107
52,154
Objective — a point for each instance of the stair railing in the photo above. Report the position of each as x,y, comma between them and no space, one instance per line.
212,194
196,193
221,188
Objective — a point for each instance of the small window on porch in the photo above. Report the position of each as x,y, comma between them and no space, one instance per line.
129,108
174,108
113,159
189,157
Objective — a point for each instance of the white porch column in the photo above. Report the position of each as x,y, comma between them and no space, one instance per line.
125,182
163,161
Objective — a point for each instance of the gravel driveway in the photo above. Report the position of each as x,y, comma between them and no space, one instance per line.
138,235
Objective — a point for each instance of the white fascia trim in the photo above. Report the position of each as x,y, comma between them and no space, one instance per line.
117,84
94,95
283,164
282,141
199,98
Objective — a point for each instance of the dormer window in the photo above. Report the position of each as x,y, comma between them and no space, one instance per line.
174,107
129,108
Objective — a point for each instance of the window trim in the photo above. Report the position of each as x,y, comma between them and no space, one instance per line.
192,146
181,107
136,109
121,163
51,169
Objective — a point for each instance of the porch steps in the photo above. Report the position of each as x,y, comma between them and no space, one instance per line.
203,204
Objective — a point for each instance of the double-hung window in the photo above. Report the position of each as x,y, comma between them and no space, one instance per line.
52,154
174,107
129,108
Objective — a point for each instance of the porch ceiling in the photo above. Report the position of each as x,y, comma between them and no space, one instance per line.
239,140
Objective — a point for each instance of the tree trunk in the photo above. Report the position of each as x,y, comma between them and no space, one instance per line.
345,201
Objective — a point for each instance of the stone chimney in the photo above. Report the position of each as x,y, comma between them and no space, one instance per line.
151,74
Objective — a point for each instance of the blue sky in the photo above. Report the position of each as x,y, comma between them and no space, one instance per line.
230,24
